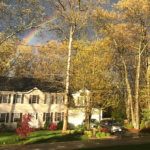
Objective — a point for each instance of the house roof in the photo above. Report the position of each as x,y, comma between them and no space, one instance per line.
18,84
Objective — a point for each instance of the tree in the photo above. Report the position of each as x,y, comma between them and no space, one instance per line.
91,69
19,15
72,15
128,29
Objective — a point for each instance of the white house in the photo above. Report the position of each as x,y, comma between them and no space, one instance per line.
44,100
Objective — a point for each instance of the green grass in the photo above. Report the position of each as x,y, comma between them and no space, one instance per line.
123,147
40,137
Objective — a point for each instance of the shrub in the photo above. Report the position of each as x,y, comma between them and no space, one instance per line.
53,127
85,132
25,128
80,131
102,134
60,125
73,131
3,127
107,134
46,125
104,130
90,133
99,128
97,135
128,126
146,114
80,127
18,125
68,131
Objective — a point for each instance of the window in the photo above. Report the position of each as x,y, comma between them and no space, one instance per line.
5,98
81,100
59,116
18,98
16,117
34,99
49,99
60,99
2,117
47,116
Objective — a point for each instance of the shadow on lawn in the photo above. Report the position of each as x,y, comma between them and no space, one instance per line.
58,138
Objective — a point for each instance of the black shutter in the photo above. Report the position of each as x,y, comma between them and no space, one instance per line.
36,115
55,116
51,117
12,116
22,101
9,98
30,99
21,116
56,98
7,117
52,99
45,99
62,116
43,116
14,99
1,95
38,97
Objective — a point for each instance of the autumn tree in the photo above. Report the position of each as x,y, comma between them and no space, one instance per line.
72,15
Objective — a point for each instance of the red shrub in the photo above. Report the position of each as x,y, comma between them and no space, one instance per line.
25,128
53,126
104,130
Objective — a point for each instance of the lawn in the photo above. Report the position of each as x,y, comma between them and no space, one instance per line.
40,137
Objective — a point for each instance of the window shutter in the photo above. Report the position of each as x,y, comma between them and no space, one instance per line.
30,99
55,116
56,98
62,116
9,98
43,116
52,99
36,115
22,101
63,99
51,117
12,116
14,98
45,99
21,116
7,117
1,95
38,97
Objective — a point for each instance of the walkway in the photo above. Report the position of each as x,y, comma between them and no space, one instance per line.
129,138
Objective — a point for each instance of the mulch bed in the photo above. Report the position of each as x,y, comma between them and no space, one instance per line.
139,130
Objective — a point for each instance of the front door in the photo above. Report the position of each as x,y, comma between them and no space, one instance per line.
34,121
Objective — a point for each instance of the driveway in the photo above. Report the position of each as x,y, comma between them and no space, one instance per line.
128,139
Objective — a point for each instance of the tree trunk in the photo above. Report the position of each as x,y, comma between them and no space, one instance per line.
137,92
129,102
67,84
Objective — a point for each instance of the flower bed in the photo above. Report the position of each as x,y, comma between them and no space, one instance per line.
147,130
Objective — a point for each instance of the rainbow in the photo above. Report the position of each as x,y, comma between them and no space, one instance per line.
30,37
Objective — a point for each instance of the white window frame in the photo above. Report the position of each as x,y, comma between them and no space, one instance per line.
32,98
14,117
3,98
16,99
50,116
57,116
61,100
50,99
5,116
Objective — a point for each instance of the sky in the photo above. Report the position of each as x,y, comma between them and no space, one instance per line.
43,38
